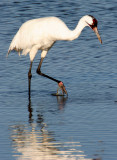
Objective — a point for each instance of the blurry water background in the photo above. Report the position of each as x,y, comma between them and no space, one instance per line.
82,126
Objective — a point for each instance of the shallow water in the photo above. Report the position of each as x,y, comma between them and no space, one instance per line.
82,126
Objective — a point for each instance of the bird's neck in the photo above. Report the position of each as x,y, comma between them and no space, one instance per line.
77,31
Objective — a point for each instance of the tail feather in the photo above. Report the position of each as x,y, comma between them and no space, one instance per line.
16,49
14,44
8,52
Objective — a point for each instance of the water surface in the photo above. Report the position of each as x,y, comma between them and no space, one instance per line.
82,126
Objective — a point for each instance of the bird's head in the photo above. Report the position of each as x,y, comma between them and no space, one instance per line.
92,23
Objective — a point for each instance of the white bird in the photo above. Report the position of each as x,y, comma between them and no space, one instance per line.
42,33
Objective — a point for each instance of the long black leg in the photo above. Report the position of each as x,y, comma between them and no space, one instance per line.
60,83
44,75
29,79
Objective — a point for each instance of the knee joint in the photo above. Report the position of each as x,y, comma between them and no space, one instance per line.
38,71
29,75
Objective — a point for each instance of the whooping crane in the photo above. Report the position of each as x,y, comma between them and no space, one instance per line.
42,33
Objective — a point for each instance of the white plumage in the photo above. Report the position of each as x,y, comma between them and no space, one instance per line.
42,33
38,34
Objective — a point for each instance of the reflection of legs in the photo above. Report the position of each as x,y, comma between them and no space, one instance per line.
29,79
60,83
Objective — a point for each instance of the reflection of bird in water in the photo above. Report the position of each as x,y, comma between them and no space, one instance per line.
61,100
41,34
30,110
35,142
29,143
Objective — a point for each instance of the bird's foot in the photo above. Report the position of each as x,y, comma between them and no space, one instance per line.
62,87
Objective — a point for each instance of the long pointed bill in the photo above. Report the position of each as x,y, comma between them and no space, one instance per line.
97,33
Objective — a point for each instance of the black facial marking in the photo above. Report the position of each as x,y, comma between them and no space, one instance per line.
95,22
